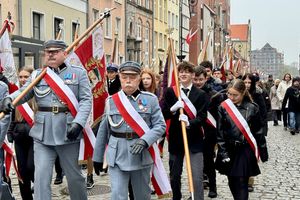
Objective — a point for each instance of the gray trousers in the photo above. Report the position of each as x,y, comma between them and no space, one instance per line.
140,181
44,159
176,164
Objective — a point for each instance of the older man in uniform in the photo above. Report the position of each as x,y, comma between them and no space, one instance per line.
127,154
56,132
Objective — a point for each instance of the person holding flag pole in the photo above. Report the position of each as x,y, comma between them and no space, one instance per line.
191,103
64,100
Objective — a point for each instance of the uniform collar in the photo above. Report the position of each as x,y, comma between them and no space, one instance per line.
59,69
134,95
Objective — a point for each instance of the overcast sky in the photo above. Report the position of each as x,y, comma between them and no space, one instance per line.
274,21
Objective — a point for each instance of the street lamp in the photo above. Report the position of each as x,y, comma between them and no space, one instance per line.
192,4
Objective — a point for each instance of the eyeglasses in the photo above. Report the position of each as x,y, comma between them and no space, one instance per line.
53,52
232,95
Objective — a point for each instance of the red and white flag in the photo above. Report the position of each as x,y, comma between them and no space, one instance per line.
90,55
6,55
190,36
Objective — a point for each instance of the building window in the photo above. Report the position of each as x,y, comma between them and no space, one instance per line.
169,18
139,30
108,27
139,2
57,26
160,40
147,4
165,42
36,25
165,11
118,28
95,14
107,58
154,11
161,10
147,37
74,26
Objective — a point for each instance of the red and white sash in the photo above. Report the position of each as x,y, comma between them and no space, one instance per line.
27,113
159,179
67,96
241,123
189,108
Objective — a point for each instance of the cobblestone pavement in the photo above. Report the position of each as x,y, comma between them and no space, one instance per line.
280,178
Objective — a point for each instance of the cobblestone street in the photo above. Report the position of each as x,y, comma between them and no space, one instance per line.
280,178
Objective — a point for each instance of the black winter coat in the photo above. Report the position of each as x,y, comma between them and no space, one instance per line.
229,136
293,96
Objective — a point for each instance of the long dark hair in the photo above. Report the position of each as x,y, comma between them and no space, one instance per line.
240,86
253,80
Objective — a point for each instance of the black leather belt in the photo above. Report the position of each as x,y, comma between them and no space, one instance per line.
54,109
128,136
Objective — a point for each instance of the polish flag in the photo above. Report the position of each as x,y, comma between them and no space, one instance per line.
90,55
190,36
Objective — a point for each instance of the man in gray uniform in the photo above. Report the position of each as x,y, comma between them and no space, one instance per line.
56,132
4,125
127,154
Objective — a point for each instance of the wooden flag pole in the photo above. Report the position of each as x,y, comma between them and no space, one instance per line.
42,74
183,126
87,31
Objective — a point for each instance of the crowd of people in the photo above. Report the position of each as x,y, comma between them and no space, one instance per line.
226,120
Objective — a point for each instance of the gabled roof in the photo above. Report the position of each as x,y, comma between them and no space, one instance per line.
239,31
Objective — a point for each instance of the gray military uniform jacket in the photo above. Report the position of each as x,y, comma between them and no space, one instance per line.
4,123
118,150
51,128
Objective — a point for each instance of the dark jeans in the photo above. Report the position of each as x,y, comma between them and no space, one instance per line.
276,116
238,187
285,117
24,152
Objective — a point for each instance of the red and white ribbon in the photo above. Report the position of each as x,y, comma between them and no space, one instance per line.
241,123
211,120
27,113
87,144
159,179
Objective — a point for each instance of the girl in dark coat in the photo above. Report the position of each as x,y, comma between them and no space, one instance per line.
236,158
19,133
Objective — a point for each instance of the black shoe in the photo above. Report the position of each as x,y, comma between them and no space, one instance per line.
212,194
89,181
285,128
58,180
153,192
292,132
275,124
250,188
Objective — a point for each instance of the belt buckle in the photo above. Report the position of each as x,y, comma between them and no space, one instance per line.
55,109
129,136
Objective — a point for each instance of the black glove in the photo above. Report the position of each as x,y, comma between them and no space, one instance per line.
73,131
98,167
6,105
138,147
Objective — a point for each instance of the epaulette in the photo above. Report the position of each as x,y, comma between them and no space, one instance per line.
78,67
148,93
